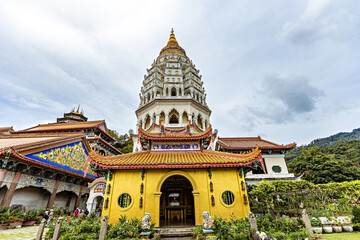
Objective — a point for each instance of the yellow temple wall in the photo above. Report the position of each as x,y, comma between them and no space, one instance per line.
129,181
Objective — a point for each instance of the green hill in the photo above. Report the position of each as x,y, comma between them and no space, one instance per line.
324,142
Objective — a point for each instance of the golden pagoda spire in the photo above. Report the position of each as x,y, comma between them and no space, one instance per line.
172,38
172,46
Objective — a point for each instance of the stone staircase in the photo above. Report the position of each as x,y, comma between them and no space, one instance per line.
176,232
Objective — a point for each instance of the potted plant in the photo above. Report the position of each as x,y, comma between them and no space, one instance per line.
4,221
346,224
316,225
29,218
15,221
336,225
327,225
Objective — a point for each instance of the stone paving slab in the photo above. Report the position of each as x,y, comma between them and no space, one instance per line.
24,233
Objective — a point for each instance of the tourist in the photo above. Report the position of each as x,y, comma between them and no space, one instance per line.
86,213
76,212
50,217
46,215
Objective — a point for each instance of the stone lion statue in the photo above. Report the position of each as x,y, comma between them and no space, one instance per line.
145,222
207,222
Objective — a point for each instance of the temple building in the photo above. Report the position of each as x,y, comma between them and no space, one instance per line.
95,132
174,173
48,165
273,156
44,170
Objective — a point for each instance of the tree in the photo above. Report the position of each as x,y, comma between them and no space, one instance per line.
319,167
123,142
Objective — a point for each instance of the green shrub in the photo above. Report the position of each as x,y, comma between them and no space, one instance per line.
198,232
356,214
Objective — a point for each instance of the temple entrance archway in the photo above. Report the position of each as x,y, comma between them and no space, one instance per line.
95,203
177,202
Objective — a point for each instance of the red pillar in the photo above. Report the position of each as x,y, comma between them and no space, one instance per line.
2,175
53,196
10,192
77,203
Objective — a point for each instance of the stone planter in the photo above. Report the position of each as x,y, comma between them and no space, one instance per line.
15,224
317,230
29,223
337,228
347,228
327,229
4,226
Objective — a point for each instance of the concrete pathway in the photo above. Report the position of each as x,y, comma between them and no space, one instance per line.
24,233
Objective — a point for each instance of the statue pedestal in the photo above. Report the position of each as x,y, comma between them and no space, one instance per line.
145,235
209,232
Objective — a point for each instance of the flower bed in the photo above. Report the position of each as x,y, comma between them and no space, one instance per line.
279,227
88,228
284,197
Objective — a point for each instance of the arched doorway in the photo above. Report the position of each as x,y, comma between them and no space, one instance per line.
95,203
177,202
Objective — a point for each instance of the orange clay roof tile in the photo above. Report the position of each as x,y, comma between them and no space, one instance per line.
187,159
245,143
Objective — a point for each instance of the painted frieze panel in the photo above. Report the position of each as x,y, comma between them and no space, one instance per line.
64,186
99,187
8,179
28,180
72,157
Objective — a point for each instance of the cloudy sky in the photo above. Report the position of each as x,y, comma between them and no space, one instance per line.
285,70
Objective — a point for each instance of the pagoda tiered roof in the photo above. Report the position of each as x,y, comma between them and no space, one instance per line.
246,143
175,159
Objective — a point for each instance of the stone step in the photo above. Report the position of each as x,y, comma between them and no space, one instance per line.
176,233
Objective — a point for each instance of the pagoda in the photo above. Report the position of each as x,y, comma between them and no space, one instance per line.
173,172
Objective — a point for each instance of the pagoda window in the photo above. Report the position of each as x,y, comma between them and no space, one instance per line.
147,122
162,117
198,121
185,118
173,92
174,117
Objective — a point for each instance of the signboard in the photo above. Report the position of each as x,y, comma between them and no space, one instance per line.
175,146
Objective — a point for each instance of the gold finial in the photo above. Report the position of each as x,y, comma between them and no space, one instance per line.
172,38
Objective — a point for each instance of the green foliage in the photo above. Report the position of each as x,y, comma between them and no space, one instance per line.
315,221
302,234
324,166
356,214
233,229
279,227
125,228
74,228
198,232
124,142
284,197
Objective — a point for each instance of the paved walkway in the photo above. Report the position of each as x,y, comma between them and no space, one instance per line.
24,233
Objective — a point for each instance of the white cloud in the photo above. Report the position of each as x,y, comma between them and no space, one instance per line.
58,54
322,19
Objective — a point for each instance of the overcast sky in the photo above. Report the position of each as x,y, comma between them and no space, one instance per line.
285,70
